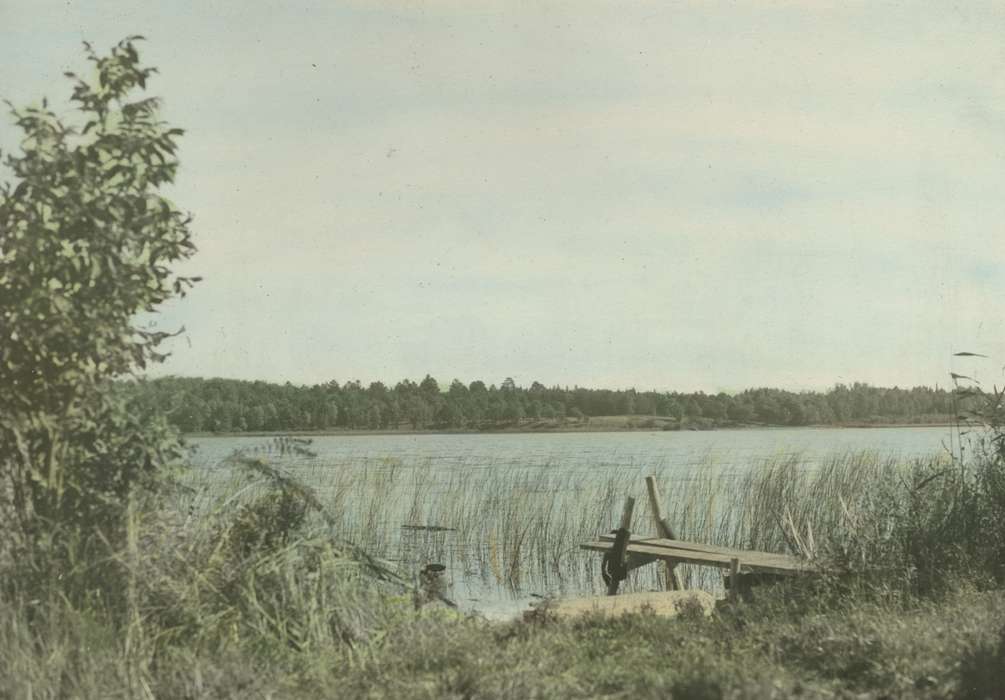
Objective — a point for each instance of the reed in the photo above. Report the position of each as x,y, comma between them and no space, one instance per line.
517,528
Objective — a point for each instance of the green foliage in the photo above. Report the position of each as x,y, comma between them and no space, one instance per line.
226,405
916,529
267,523
985,411
86,244
948,518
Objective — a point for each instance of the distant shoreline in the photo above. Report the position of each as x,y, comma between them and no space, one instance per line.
605,424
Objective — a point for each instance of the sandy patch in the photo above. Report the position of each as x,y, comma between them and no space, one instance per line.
662,603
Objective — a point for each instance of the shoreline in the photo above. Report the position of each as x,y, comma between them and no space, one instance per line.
564,429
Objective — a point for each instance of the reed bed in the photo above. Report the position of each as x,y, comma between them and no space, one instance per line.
506,529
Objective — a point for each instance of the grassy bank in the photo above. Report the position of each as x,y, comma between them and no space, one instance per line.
256,588
861,645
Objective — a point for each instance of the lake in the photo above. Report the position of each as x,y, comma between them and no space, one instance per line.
605,451
506,512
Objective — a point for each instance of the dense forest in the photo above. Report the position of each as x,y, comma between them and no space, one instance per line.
227,405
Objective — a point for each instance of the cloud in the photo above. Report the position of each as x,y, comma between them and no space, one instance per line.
670,195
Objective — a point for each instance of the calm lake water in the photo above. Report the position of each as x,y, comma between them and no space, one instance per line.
605,451
509,510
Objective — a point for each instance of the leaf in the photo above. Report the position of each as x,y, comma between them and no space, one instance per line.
968,354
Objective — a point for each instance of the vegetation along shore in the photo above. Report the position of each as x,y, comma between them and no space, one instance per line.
599,424
196,405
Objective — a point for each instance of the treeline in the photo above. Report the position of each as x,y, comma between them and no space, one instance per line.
227,405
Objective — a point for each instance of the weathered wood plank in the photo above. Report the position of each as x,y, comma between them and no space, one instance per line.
680,544
699,547
750,564
751,561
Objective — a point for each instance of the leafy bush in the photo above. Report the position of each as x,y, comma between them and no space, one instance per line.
86,245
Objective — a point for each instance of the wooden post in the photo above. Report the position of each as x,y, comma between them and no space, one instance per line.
734,579
616,561
663,529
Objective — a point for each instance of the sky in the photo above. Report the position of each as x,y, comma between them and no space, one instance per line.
671,196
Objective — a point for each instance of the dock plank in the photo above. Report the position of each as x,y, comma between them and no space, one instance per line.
695,546
716,549
749,561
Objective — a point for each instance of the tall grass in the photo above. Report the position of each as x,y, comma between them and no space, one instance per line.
514,528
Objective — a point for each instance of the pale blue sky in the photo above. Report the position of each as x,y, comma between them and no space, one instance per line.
662,195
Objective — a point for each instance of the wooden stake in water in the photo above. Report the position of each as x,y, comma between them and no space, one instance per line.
663,529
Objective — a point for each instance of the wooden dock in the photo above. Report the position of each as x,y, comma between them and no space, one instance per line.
679,552
623,552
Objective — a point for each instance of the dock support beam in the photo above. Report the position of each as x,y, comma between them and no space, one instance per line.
734,580
614,565
663,529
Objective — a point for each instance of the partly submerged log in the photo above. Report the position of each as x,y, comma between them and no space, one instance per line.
662,603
